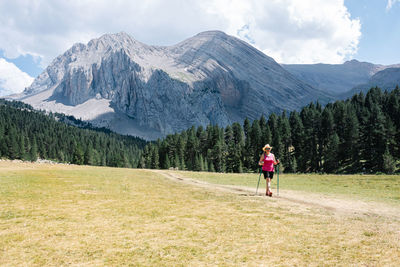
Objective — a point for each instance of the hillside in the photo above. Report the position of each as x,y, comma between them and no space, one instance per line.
387,79
339,79
27,134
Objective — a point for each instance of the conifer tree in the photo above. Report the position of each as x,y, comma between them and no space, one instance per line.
202,141
142,163
327,125
339,115
155,158
393,111
331,162
197,163
176,161
181,150
201,162
218,156
22,148
96,159
191,149
255,137
390,136
247,156
309,144
267,139
34,151
265,131
88,156
147,157
350,141
231,149
273,123
205,164
1,130
78,157
286,141
389,164
238,135
182,165
167,163
297,134
316,152
12,144
211,167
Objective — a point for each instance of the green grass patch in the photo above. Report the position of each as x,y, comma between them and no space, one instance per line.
383,188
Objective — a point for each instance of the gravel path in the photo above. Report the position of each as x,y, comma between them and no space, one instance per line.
299,200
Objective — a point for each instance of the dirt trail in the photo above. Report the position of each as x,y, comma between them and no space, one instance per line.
300,200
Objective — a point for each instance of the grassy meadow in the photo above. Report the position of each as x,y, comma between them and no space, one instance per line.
57,215
382,188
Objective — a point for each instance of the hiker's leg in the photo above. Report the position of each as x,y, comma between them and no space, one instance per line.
268,189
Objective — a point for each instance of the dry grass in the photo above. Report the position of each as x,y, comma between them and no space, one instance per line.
71,215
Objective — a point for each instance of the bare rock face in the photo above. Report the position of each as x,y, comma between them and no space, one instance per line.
149,91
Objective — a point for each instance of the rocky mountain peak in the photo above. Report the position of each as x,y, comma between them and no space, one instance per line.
215,42
114,41
123,84
350,62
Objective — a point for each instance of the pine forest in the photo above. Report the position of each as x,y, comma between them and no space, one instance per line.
27,134
359,135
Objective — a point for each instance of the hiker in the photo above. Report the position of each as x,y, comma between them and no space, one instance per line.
267,161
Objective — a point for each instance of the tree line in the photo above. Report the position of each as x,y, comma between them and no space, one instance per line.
27,134
361,134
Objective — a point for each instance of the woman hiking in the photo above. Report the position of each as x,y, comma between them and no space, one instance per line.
267,161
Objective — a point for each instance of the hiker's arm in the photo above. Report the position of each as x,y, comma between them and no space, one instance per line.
261,162
276,161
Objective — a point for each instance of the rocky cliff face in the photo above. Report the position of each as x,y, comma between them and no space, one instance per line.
149,91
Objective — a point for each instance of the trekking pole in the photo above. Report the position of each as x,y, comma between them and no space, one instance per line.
258,181
277,170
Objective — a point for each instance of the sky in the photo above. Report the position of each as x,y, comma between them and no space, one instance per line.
34,32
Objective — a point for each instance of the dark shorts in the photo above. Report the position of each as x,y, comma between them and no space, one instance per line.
268,174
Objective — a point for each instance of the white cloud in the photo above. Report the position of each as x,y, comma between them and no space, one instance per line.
296,31
46,29
390,4
12,79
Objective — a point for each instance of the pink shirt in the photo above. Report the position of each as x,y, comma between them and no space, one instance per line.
268,162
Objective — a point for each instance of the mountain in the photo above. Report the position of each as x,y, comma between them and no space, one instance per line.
336,78
150,91
386,79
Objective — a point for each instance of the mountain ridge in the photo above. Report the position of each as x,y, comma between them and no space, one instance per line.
386,79
337,79
209,78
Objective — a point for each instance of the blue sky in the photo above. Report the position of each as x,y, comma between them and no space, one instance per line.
26,63
380,27
34,32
